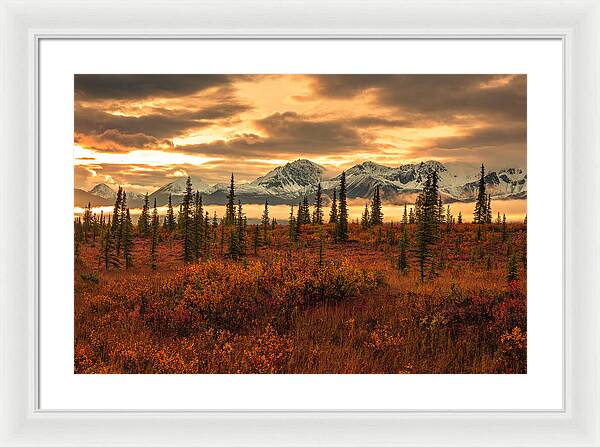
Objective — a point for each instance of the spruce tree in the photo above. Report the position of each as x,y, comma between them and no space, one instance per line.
480,213
230,207
108,250
402,249
333,213
144,219
292,235
265,222
170,217
504,233
321,247
186,222
426,210
342,221
404,220
116,217
440,210
123,217
459,221
318,211
127,241
411,216
206,237
365,220
305,211
154,233
198,226
376,213
488,210
241,230
512,273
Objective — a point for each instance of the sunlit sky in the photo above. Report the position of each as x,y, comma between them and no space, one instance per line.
141,131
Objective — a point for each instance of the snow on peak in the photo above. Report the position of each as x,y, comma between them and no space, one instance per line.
104,191
292,177
177,187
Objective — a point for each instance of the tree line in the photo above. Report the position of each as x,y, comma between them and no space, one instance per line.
199,233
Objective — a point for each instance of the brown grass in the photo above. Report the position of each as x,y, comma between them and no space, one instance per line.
279,312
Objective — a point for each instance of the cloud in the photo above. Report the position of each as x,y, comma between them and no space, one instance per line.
88,121
437,96
137,86
484,137
285,134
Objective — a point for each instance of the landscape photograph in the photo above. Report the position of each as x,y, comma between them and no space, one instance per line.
300,224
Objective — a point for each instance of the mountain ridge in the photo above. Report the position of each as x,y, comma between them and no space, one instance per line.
287,184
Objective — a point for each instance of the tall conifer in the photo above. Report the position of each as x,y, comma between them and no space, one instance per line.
342,221
333,213
480,213
230,207
376,213
318,211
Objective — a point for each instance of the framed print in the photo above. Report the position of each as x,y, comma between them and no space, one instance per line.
323,232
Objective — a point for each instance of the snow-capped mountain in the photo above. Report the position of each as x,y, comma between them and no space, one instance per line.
299,176
287,184
176,189
104,191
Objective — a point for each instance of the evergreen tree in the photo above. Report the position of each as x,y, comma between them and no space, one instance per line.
342,221
292,235
144,219
222,238
273,223
109,256
318,211
480,213
186,222
376,213
426,210
265,222
154,233
525,220
123,217
230,207
116,217
205,239
321,247
198,226
504,233
488,210
404,220
333,213
87,221
305,211
127,239
241,230
440,211
170,217
512,273
459,218
365,220
411,216
402,249
498,219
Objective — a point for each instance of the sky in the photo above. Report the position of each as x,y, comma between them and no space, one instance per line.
143,131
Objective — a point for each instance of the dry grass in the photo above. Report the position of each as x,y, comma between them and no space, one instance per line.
279,312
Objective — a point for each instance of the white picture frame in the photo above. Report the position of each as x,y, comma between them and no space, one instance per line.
24,23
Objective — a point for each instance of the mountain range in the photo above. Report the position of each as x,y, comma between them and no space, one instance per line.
287,184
